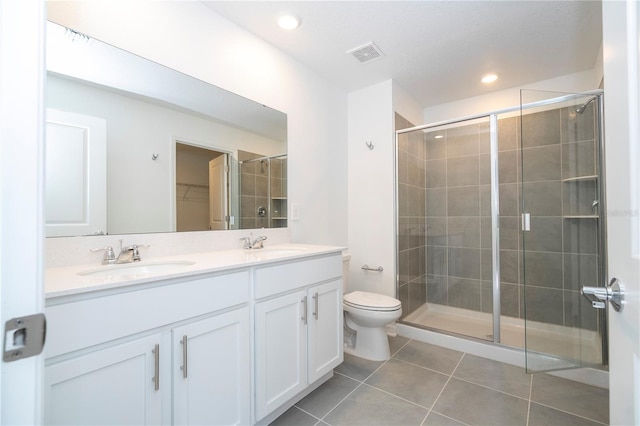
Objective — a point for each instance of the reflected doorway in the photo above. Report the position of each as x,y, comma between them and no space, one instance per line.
202,188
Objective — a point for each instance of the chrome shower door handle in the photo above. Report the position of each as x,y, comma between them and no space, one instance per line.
614,293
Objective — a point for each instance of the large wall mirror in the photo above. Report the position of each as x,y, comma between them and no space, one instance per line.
135,147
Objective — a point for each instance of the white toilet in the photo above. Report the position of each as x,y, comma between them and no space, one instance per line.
365,317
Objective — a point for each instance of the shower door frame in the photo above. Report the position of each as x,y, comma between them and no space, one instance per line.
493,118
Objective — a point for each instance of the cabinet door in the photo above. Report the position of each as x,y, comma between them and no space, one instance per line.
325,329
211,373
280,351
113,386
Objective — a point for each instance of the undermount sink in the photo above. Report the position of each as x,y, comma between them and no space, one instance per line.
137,269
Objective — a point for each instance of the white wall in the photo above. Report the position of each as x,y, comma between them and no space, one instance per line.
405,105
371,230
189,37
571,83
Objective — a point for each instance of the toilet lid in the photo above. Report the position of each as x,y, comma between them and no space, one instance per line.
371,301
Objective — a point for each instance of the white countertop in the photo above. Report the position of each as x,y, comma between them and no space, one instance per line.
69,280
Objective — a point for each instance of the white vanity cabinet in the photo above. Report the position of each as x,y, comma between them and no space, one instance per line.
107,386
211,371
298,328
117,358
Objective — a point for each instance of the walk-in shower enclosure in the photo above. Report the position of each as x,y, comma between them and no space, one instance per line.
500,222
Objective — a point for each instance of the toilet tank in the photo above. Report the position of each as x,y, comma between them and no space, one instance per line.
346,258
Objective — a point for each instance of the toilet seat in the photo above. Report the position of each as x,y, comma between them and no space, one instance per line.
371,301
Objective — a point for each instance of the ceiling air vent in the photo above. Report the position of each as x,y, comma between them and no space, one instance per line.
366,53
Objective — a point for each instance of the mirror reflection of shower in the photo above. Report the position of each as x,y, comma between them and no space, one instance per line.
263,190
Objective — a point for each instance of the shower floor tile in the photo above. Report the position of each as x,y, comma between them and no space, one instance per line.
450,388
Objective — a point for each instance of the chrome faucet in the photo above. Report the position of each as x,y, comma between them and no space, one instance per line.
129,253
258,243
109,257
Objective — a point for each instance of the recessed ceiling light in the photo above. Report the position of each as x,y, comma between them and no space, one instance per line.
489,78
438,137
289,22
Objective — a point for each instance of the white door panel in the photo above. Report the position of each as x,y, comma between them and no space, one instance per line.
325,329
622,99
218,192
21,181
75,174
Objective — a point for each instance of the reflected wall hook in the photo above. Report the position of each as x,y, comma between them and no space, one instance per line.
369,145
154,157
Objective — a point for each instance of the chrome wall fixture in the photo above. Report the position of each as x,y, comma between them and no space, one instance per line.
366,267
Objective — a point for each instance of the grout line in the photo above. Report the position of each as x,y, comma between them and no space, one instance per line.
425,418
344,375
423,367
361,383
341,401
570,413
306,412
490,388
435,401
529,402
450,418
397,396
400,348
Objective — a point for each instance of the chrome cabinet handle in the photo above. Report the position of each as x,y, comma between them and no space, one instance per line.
184,356
304,312
156,378
316,313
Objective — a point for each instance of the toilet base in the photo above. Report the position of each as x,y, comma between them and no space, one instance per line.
371,344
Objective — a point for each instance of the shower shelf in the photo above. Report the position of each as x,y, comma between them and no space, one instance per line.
581,178
586,216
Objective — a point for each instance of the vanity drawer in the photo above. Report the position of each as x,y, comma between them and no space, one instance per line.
76,325
281,278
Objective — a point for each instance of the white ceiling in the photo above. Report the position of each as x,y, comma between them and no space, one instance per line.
436,50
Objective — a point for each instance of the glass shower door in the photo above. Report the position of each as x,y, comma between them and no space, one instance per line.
563,247
445,262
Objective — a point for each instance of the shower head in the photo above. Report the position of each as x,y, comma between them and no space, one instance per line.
584,106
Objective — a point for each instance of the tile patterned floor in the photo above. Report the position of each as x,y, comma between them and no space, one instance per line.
424,384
